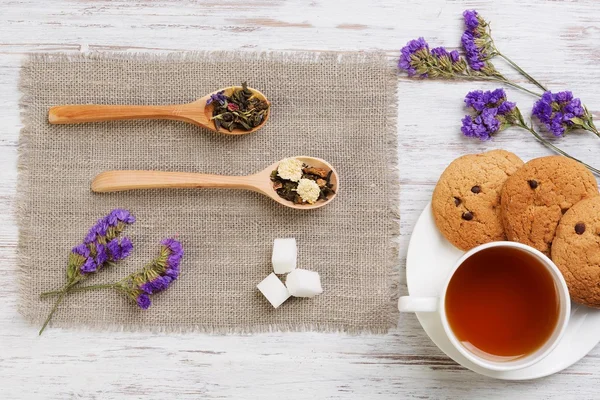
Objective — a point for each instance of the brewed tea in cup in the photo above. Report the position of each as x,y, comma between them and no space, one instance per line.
504,305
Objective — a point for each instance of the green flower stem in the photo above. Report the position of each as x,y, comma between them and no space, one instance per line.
514,64
81,289
521,71
589,126
449,75
502,80
62,294
553,147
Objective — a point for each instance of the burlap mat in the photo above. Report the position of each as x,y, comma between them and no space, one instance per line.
340,108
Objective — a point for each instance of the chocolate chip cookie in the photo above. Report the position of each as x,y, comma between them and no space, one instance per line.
466,199
576,251
535,198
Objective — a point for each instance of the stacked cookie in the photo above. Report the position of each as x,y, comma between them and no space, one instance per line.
549,203
466,199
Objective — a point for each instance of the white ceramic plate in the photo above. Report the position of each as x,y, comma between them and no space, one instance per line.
430,257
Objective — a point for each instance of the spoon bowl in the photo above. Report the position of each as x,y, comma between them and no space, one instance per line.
265,176
114,181
208,110
196,112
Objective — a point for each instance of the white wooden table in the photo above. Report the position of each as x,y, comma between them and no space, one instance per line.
557,42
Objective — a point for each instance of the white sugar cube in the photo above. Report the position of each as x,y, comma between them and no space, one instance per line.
274,290
285,254
303,283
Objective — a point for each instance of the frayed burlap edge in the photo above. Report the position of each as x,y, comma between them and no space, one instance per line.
22,206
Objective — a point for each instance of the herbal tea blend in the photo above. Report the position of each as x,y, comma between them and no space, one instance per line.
241,110
299,183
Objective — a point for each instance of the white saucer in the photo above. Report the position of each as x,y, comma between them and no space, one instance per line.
430,257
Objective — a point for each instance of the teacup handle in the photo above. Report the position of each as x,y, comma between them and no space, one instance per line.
418,304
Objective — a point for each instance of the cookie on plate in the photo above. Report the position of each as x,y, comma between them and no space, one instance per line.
576,251
466,199
535,198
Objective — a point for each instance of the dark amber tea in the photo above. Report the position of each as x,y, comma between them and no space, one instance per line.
502,302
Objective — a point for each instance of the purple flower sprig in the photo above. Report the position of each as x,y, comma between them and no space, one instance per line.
101,246
417,59
156,276
480,48
561,113
492,113
478,45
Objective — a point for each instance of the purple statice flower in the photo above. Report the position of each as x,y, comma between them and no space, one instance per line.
506,108
159,274
155,277
126,247
475,100
91,255
102,227
89,266
471,19
482,126
91,236
492,111
410,55
479,100
173,245
119,214
560,112
101,254
172,273
117,218
143,301
119,249
173,260
417,59
441,52
488,117
114,249
475,55
156,285
476,41
82,250
219,97
103,243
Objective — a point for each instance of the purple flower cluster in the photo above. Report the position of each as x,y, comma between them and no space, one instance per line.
476,55
219,97
417,59
164,271
557,111
471,18
492,110
143,301
412,49
440,52
102,244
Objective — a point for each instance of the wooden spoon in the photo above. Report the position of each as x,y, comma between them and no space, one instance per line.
115,181
196,112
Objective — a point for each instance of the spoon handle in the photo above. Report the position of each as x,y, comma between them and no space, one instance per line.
116,181
74,114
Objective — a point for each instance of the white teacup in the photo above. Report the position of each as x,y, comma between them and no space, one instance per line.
438,305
